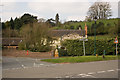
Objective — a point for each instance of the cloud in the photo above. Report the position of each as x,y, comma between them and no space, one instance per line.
7,15
7,6
114,7
75,18
49,9
45,0
68,10
58,0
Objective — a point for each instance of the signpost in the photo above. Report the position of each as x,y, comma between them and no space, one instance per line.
84,39
116,42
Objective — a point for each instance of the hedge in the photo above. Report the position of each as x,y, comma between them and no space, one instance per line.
75,47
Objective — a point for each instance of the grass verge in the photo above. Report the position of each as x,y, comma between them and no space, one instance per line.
79,59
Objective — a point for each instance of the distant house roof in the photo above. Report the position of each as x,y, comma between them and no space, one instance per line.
11,41
55,33
59,33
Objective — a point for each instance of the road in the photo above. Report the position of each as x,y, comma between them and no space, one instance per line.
34,68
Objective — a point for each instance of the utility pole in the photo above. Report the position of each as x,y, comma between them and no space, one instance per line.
84,47
95,35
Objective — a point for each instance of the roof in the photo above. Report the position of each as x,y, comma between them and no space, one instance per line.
59,33
55,33
11,41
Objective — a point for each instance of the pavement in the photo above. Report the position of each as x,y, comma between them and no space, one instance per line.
34,68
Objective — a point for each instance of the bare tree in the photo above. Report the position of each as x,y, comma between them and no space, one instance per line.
37,37
102,10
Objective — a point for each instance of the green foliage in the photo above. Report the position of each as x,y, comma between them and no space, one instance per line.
79,59
22,46
11,24
36,37
62,52
57,19
103,26
17,23
75,47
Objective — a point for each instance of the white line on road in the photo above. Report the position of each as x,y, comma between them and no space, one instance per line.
23,66
81,74
88,76
110,70
41,64
91,73
67,76
101,71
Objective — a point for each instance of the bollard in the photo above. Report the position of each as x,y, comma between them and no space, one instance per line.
27,52
103,56
96,55
56,53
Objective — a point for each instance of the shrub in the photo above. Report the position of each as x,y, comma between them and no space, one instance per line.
22,46
75,47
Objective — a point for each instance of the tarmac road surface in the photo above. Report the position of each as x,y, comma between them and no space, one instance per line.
34,68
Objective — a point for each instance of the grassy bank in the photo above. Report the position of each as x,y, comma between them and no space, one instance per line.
80,59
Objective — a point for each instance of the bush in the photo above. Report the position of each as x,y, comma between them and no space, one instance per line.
62,52
21,46
75,47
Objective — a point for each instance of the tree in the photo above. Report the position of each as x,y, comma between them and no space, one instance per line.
38,37
3,25
57,19
51,22
28,18
11,23
17,23
102,10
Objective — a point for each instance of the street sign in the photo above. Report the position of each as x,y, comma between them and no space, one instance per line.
84,39
116,41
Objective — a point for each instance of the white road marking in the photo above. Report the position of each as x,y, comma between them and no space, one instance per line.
67,76
58,77
41,64
101,71
91,73
34,64
85,75
80,74
23,66
110,70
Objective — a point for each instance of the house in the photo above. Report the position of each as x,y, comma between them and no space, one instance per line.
58,35
61,35
11,42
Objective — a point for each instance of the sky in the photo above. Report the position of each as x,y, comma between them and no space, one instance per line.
67,9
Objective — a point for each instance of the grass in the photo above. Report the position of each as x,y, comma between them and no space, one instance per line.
102,37
80,59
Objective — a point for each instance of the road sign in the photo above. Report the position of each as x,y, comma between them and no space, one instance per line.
84,39
116,41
